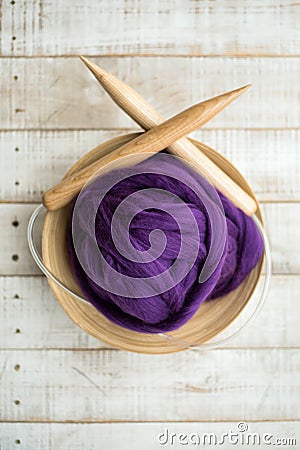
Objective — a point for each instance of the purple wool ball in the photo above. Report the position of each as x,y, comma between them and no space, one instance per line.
166,199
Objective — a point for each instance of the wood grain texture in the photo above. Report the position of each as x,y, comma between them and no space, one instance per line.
27,304
43,157
15,255
59,93
281,221
158,27
284,236
131,436
105,385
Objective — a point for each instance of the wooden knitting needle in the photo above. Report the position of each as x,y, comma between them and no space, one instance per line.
147,117
154,140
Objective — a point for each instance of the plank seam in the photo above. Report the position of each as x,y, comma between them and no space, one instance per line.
154,55
61,130
117,421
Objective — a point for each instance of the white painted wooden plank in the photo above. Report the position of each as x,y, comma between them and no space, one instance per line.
281,220
159,27
146,436
269,159
104,385
282,225
60,93
28,305
38,159
15,257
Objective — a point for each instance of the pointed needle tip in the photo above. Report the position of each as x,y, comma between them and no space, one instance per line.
96,70
245,87
85,60
236,92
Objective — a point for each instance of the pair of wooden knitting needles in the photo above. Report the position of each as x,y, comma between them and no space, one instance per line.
161,134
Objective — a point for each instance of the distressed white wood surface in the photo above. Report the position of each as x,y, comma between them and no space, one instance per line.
134,436
52,112
29,306
282,222
60,93
107,385
158,27
267,158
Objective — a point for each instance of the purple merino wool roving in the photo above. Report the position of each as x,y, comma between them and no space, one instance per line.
148,244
